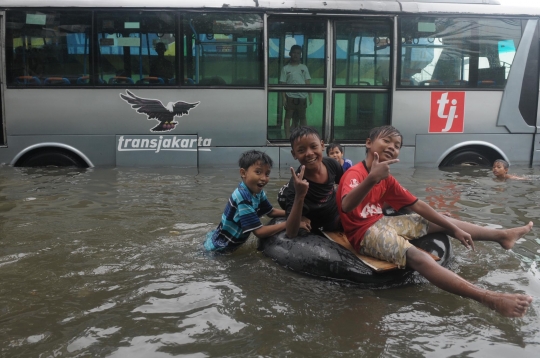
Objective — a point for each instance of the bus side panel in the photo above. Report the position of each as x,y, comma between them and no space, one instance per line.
100,149
412,111
430,149
221,117
227,157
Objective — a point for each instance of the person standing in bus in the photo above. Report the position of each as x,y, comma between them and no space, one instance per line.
295,103
161,67
364,189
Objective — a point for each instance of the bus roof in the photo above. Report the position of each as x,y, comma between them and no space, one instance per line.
326,6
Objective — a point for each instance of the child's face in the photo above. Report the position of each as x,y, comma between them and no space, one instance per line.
387,147
256,176
296,55
336,154
308,150
499,170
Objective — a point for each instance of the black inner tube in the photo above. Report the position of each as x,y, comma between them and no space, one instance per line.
313,254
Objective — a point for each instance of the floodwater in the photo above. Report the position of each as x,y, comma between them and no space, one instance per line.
107,262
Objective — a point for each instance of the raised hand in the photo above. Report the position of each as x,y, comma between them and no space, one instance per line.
381,170
301,185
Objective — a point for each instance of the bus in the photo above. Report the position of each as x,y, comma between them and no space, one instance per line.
194,84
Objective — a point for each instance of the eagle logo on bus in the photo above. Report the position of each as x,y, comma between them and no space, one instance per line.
155,110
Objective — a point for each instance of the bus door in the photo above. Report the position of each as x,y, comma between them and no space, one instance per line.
2,124
341,83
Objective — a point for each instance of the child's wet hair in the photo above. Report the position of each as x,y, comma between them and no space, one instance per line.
383,131
332,146
251,157
300,132
503,162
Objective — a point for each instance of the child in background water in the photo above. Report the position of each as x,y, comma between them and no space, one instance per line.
335,151
500,170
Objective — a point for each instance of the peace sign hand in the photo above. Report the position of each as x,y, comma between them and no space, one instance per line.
301,185
381,170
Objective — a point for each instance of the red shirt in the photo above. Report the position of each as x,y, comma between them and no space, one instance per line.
359,220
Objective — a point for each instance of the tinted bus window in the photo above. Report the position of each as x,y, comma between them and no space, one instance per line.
136,48
47,48
362,53
296,58
356,113
308,110
223,49
457,52
306,35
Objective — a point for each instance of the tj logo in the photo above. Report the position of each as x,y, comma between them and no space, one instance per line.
447,112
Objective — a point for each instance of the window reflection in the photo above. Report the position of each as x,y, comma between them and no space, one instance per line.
362,53
223,49
306,35
136,49
298,112
356,113
457,52
47,48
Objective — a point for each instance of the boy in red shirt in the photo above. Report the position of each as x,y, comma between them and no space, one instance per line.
364,189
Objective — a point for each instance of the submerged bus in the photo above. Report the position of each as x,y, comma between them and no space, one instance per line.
194,84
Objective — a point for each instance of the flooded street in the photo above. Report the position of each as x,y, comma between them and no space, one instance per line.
108,262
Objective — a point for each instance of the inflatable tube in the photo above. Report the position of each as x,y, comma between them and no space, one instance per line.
313,254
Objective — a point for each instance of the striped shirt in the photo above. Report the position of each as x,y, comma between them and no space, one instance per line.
240,217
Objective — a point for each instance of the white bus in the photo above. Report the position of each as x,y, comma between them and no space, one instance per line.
194,84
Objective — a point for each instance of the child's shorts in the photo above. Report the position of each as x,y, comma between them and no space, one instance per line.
388,239
209,243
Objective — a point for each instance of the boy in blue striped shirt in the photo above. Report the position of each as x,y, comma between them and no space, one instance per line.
245,207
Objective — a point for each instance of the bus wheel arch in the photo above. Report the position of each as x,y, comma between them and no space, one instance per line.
51,154
479,155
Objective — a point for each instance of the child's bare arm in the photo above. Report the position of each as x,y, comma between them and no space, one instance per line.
269,230
427,212
276,213
301,186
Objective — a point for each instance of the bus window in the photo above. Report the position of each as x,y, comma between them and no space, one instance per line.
298,109
47,48
136,48
457,52
362,53
356,113
296,58
223,49
307,35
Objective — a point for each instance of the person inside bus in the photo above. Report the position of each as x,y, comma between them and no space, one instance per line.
295,103
364,189
160,66
500,170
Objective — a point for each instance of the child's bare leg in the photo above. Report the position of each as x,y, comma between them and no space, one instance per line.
506,237
506,304
287,126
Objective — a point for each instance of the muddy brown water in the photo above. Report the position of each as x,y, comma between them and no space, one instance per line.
107,262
